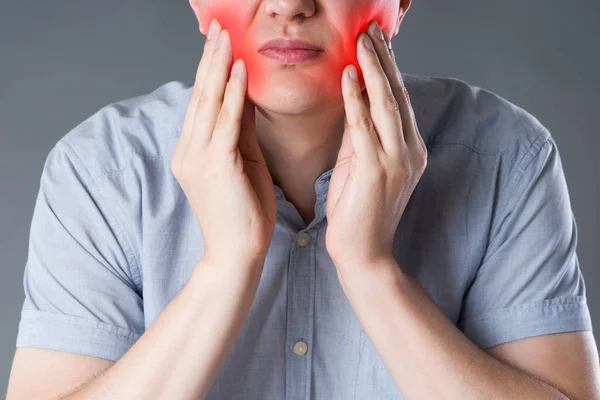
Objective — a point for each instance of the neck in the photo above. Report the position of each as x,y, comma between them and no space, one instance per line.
299,148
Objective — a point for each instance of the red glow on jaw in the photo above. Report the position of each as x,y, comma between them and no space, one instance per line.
338,55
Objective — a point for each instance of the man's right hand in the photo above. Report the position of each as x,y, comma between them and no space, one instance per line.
219,164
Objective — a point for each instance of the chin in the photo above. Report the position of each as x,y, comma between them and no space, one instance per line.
289,92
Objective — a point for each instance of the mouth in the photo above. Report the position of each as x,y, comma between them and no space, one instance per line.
290,51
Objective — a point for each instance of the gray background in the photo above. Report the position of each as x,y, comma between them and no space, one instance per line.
60,61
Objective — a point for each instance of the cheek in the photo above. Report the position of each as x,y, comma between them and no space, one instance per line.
237,20
384,12
328,73
233,19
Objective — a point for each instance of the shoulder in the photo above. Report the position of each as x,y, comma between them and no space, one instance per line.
140,128
452,112
114,168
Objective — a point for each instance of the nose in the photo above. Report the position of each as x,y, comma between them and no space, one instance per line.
289,9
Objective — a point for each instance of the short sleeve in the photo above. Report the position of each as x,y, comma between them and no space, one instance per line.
529,282
80,291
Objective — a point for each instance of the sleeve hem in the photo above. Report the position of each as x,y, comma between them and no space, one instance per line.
548,316
68,333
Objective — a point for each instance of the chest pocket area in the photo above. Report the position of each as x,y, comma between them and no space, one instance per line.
373,381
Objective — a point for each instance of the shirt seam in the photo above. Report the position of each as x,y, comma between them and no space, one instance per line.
129,253
571,302
517,175
39,315
362,342
483,153
158,157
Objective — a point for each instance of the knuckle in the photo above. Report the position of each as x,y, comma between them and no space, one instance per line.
372,61
390,103
406,163
235,120
363,122
404,169
405,92
356,94
227,117
224,116
203,99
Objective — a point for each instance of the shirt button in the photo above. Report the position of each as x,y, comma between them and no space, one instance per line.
303,239
300,348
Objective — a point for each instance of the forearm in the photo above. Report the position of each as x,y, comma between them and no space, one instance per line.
425,353
181,352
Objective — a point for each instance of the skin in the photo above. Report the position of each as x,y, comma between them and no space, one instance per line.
297,117
380,157
333,25
378,164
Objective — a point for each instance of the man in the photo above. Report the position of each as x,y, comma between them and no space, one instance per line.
165,263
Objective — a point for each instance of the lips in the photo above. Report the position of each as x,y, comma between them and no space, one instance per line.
289,44
290,51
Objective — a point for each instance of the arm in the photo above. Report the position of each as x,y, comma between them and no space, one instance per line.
166,361
528,284
567,361
52,371
430,358
83,281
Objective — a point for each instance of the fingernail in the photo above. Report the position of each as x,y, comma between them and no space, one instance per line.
221,39
376,30
213,29
237,67
368,43
352,73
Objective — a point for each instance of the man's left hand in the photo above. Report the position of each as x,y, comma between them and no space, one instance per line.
381,159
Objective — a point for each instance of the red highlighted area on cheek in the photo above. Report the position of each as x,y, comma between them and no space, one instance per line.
359,22
326,70
232,19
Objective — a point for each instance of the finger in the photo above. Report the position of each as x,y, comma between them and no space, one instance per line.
387,59
190,114
361,126
384,107
213,91
248,142
211,39
227,129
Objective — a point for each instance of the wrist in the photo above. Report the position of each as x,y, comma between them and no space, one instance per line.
229,271
385,269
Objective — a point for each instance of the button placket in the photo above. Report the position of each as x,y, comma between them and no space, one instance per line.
300,308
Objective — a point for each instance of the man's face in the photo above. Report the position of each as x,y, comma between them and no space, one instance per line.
332,25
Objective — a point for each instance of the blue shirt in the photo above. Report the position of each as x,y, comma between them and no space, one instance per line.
488,232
